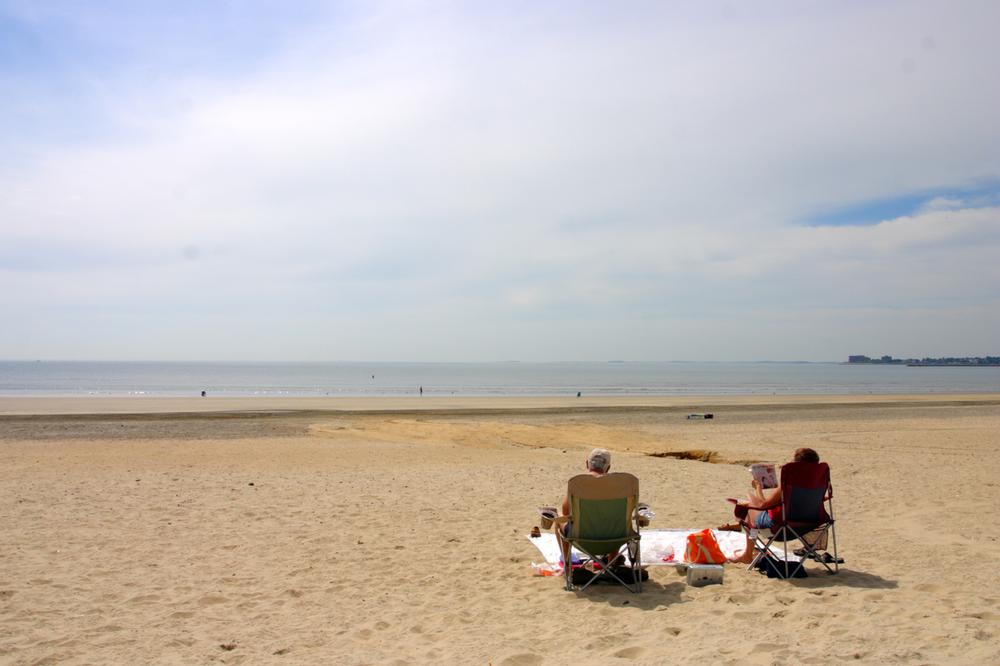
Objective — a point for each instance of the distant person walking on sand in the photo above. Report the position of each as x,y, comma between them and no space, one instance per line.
421,390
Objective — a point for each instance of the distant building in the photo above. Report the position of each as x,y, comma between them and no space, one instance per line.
887,359
858,359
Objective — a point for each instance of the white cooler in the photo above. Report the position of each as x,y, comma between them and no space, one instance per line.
704,574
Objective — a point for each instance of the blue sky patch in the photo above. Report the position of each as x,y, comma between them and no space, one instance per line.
870,213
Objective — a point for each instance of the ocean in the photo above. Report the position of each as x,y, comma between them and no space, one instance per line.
80,378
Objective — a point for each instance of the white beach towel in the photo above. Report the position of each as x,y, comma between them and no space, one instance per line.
657,546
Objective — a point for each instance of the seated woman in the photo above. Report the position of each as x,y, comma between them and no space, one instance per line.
761,506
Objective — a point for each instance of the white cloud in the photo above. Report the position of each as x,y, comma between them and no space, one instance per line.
432,183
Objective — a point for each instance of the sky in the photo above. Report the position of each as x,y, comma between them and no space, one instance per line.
479,181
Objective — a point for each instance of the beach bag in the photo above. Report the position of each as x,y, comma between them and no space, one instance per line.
702,548
774,568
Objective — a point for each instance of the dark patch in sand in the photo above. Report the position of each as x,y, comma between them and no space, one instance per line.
692,454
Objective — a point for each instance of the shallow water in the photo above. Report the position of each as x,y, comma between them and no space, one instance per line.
52,378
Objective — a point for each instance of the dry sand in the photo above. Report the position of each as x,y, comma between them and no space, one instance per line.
283,535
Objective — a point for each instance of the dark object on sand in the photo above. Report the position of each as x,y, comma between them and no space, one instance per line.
776,569
701,416
824,557
582,576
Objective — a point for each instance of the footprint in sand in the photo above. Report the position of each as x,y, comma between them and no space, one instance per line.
144,599
604,642
211,600
768,647
525,659
633,652
983,615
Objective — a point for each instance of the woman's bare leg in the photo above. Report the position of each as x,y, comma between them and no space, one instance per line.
746,557
748,550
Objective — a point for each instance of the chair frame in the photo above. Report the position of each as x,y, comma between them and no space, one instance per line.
630,540
807,533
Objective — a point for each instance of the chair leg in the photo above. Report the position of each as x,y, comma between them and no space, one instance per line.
836,557
810,549
607,568
833,534
758,544
787,569
791,569
609,571
637,568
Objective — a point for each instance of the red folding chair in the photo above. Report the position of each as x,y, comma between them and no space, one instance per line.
805,514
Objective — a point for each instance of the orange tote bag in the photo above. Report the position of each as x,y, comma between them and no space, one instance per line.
702,548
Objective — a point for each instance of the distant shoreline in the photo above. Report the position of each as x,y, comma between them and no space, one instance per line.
953,365
131,407
942,362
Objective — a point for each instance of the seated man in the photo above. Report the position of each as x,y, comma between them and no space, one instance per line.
598,464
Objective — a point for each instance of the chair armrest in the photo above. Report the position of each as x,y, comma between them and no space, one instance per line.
755,508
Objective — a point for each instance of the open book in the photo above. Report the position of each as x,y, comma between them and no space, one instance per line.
765,475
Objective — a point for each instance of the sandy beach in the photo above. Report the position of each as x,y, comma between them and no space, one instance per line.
391,531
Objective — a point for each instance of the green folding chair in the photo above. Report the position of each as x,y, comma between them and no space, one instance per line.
601,521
